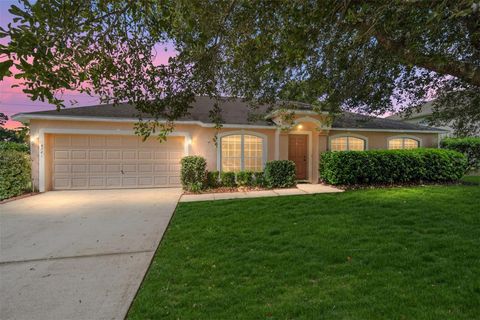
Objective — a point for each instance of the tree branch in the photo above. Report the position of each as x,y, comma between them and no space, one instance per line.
468,72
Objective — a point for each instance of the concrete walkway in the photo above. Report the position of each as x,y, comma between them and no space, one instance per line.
299,190
79,254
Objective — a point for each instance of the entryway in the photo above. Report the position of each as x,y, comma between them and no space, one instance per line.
298,153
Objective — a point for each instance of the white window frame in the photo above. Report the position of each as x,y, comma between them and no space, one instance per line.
242,133
346,135
419,140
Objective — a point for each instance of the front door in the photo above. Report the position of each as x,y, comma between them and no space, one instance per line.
297,152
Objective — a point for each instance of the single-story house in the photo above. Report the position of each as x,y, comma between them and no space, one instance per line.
95,147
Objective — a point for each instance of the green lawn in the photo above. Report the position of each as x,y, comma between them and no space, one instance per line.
472,179
402,253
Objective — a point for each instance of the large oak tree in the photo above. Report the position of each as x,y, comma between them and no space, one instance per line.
368,56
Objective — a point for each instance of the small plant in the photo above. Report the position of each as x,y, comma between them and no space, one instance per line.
228,179
193,172
245,178
280,174
259,179
195,187
213,179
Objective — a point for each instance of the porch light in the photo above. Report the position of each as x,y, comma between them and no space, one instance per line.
300,127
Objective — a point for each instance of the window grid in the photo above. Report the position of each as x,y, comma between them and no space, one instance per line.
241,152
347,143
403,143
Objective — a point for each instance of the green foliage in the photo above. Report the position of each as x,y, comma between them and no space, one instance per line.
14,173
14,146
245,178
280,174
19,135
470,147
213,179
392,166
228,179
259,179
361,55
193,173
397,253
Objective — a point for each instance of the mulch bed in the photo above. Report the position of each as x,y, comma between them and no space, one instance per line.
226,190
397,185
25,195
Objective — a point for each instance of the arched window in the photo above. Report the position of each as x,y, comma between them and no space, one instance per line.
242,151
403,143
347,143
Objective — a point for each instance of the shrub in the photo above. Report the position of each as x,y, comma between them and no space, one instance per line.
14,173
193,173
280,174
392,166
7,145
213,179
470,147
228,179
245,178
259,179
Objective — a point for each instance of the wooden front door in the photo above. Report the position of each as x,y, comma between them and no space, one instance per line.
297,152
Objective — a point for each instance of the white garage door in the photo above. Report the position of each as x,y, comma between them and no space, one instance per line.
107,162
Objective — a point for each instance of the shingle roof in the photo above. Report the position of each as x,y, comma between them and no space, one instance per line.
359,121
233,111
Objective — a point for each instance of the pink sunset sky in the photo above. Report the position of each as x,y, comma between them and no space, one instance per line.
13,100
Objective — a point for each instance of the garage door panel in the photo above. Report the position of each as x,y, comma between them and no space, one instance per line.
61,155
144,155
98,162
129,155
62,168
61,183
79,168
113,154
96,168
129,168
113,168
97,141
96,155
145,167
79,155
62,141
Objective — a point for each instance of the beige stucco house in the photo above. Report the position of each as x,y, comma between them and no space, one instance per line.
95,147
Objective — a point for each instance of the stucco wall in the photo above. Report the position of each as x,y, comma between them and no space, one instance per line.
202,141
379,140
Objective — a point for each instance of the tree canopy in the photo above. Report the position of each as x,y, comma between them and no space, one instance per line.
366,56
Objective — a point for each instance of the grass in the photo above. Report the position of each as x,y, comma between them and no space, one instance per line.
472,179
401,253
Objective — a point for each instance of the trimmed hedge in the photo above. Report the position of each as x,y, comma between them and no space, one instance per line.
280,174
7,145
245,178
259,180
391,166
213,179
470,147
193,173
228,179
14,173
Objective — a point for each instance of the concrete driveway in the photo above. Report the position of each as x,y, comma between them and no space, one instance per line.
79,254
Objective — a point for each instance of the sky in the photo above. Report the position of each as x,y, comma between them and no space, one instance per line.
13,100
